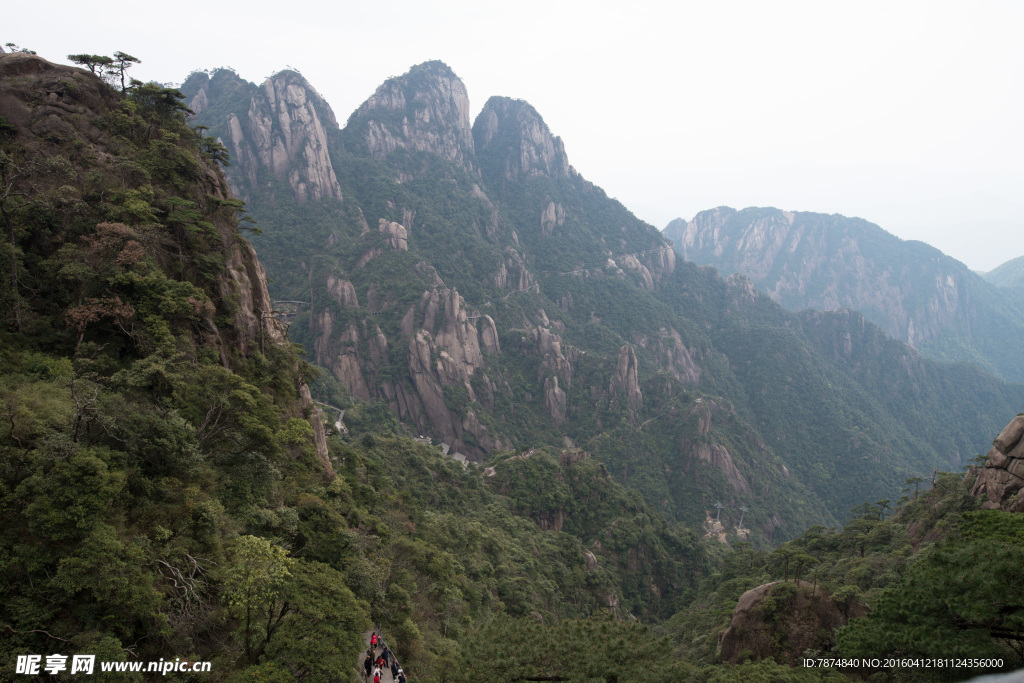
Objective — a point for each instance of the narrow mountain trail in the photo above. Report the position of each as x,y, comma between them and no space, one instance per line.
385,676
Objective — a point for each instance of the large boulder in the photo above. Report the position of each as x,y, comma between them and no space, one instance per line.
781,620
1002,477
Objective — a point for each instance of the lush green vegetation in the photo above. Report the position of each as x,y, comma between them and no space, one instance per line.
161,491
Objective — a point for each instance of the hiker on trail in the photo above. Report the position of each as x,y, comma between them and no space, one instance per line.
373,640
401,677
376,676
386,654
394,668
368,664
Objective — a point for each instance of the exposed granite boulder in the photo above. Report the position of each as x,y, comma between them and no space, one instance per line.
395,234
1002,478
781,620
489,335
558,358
552,217
342,291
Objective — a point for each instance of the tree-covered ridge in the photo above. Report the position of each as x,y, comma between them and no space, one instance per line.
936,573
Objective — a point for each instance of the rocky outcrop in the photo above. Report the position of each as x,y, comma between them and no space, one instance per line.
1002,478
782,620
714,454
488,335
317,422
342,291
445,351
675,357
717,456
517,143
426,109
554,399
395,234
552,217
625,381
513,274
283,131
255,324
559,359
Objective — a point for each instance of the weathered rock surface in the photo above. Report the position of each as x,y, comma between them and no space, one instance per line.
426,109
526,145
554,399
513,274
283,132
626,382
395,234
1002,478
781,620
672,355
558,358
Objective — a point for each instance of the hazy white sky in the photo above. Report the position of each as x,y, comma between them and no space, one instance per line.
907,114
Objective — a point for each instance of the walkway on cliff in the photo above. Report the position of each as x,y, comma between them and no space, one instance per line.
385,676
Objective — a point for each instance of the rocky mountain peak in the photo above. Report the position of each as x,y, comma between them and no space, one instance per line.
425,109
517,142
280,126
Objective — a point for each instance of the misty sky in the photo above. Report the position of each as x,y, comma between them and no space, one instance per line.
907,114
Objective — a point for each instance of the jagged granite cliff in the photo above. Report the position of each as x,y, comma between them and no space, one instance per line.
479,286
826,262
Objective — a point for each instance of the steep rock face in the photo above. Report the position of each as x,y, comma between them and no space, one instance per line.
675,357
781,620
714,454
807,260
559,359
247,283
282,129
626,381
1002,477
513,274
445,352
520,141
426,109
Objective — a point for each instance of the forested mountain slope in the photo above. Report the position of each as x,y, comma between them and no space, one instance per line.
911,290
469,278
167,489
1009,275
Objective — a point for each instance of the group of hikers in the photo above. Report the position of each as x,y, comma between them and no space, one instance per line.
376,664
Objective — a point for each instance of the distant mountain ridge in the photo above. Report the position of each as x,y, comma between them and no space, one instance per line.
825,262
471,280
1009,275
